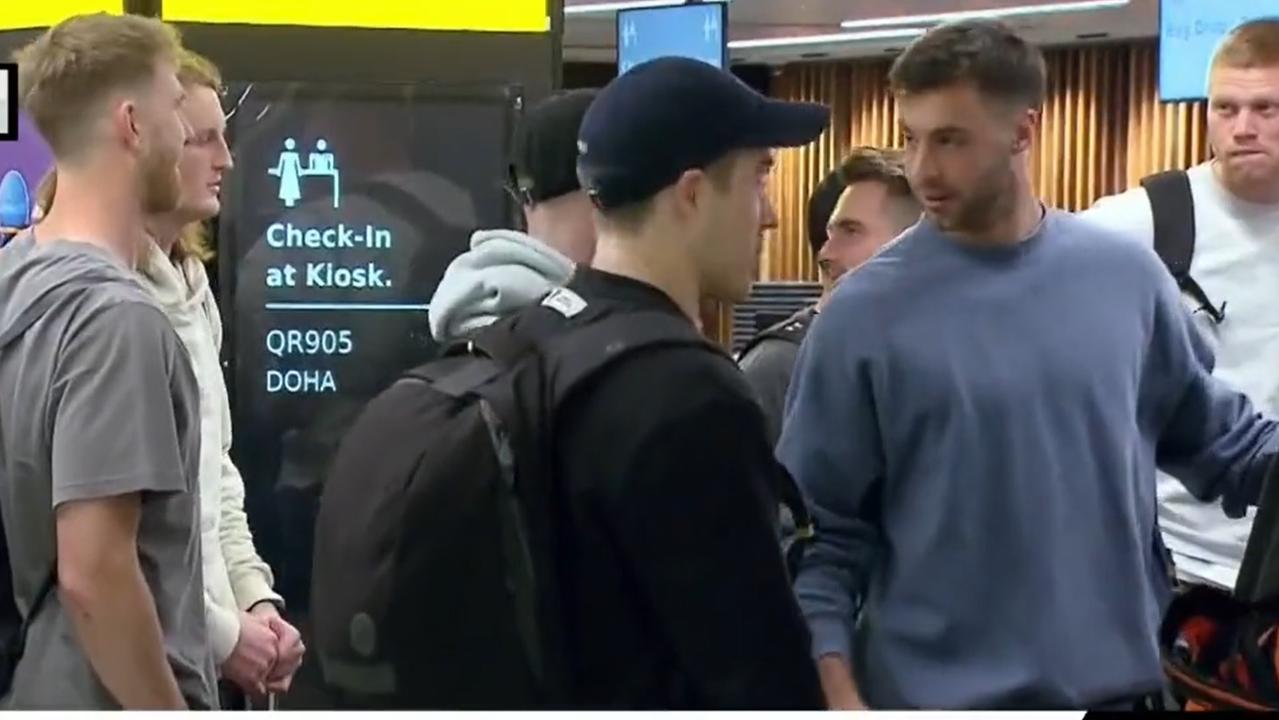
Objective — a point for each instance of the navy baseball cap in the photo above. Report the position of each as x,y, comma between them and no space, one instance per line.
673,114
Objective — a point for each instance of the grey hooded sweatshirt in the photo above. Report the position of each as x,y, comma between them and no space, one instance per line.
97,399
504,271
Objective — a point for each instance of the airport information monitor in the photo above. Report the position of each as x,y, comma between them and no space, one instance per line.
1189,32
696,30
345,206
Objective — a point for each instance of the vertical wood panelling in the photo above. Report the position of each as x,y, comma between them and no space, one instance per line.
799,170
1160,136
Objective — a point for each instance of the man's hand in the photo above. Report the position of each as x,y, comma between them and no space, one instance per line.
254,656
289,648
837,683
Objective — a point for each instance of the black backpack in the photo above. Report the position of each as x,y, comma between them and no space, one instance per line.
1173,207
433,581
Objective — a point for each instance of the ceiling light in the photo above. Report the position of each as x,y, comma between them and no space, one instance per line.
792,40
606,7
1041,9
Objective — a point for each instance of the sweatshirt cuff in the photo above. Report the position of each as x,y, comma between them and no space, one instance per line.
252,589
831,636
224,632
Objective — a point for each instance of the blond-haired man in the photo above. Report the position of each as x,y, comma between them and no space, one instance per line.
1235,201
253,646
99,452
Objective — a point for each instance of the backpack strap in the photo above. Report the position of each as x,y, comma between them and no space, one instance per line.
792,330
1173,208
508,341
576,356
460,377
46,589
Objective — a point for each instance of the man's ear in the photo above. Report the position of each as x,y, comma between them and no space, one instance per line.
689,190
125,124
1026,129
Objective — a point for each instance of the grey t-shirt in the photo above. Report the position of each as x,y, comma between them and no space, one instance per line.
97,399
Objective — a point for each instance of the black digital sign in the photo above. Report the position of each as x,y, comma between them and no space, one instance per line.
344,208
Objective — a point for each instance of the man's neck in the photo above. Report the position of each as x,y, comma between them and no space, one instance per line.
1016,226
1256,193
165,232
542,228
824,298
643,259
102,213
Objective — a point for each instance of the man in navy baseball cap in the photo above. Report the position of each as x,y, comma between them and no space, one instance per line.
672,573
677,152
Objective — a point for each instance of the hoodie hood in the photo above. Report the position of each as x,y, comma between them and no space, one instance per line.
504,271
180,289
36,277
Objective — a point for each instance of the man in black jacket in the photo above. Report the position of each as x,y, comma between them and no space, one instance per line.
855,210
674,590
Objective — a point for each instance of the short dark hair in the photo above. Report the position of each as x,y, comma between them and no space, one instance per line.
886,166
986,53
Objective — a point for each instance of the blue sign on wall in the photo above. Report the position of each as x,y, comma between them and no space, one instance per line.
1189,32
695,30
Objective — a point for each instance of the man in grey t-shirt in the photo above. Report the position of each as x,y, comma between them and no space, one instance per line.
98,400
99,416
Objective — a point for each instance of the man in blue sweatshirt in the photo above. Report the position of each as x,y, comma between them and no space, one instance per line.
977,417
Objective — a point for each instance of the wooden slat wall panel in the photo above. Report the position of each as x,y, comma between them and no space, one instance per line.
1161,136
1103,129
793,180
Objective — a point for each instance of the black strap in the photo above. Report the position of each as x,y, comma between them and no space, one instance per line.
458,380
573,346
575,356
46,589
792,330
1173,208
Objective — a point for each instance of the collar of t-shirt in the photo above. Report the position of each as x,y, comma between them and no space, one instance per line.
628,292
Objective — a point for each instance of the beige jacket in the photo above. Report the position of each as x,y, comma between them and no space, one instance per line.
235,577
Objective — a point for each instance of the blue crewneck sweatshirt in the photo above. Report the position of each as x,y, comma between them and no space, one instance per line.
977,430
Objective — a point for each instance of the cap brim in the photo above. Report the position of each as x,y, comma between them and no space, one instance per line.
777,123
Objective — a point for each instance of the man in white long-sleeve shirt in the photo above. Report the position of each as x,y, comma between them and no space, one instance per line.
1236,263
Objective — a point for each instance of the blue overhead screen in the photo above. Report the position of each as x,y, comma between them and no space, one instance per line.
1189,31
696,30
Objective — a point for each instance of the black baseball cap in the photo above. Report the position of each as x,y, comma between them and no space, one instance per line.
674,114
544,158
